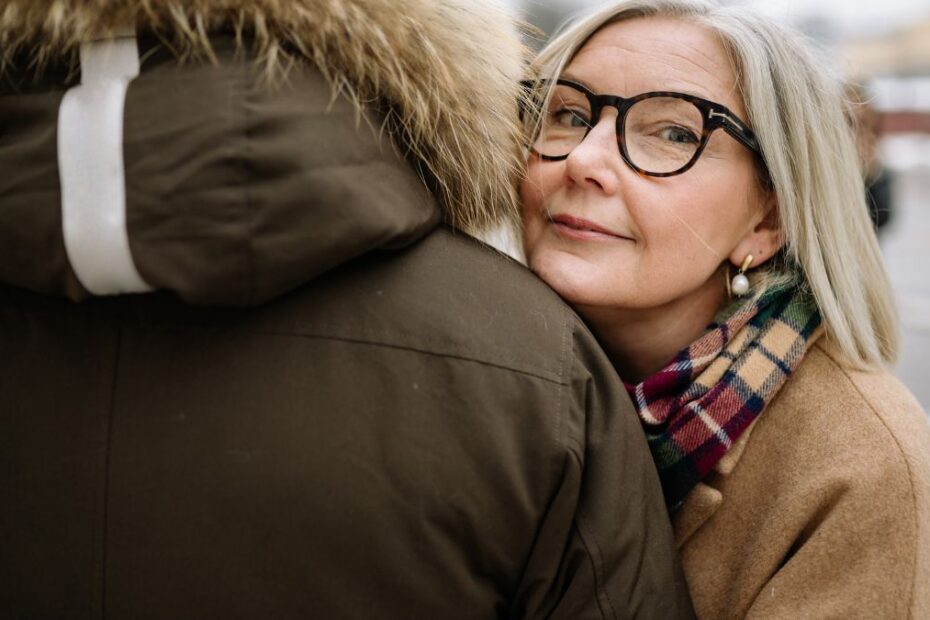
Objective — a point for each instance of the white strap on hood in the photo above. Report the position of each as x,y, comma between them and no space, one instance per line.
90,162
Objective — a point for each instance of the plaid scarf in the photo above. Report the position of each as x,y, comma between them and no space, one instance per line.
695,408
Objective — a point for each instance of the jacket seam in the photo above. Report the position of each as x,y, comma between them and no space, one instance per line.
556,465
597,569
571,445
907,465
413,349
538,374
563,400
108,457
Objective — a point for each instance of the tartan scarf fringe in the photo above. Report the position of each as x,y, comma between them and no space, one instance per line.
698,406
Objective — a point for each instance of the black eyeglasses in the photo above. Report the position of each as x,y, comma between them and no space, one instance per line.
660,134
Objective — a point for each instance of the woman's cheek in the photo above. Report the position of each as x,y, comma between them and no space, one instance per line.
533,217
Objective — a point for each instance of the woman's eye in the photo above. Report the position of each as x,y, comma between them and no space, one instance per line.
570,118
677,134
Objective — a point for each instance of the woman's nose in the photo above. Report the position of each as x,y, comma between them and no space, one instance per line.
595,161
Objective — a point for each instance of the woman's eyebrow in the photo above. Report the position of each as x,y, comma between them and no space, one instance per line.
569,76
686,91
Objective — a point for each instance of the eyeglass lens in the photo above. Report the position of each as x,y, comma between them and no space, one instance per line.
662,134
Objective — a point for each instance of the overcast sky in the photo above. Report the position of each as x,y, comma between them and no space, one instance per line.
850,15
859,17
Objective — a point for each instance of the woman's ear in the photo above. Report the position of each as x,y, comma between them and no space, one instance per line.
765,238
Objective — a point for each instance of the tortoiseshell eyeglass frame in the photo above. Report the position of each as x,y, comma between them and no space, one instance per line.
715,116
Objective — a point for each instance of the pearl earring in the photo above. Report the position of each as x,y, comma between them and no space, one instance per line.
740,283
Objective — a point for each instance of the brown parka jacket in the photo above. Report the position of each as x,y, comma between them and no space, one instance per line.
320,401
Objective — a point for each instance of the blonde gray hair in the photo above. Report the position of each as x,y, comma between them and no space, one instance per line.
796,107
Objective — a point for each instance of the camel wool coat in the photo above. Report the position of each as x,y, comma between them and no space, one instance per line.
821,509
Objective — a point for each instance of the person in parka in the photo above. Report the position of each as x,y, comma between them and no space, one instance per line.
253,367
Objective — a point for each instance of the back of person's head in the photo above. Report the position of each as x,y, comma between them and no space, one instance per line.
795,104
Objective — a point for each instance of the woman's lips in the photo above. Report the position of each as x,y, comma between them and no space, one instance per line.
577,228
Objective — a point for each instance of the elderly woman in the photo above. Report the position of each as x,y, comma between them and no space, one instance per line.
693,191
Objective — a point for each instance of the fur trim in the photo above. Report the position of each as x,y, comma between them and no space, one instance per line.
445,72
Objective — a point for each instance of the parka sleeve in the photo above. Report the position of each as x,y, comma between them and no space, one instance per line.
605,547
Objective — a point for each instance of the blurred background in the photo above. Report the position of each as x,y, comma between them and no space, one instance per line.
883,49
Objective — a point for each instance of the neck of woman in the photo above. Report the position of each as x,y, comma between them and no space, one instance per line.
642,341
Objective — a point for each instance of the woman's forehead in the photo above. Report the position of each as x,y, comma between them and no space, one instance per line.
656,53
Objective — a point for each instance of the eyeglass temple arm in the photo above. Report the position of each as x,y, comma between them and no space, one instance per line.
736,128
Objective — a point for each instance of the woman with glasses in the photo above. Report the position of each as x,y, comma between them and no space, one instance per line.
693,192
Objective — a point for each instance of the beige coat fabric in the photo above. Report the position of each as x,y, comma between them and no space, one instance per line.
822,509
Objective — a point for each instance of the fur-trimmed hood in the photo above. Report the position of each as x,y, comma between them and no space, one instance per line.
440,76
445,70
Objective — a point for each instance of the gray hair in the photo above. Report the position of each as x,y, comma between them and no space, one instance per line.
796,107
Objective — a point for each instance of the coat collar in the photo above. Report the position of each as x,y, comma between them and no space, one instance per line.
706,498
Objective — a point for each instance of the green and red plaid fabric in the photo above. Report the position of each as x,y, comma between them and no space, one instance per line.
694,409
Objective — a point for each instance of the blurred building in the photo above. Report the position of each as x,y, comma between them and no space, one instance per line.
904,51
896,67
546,15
